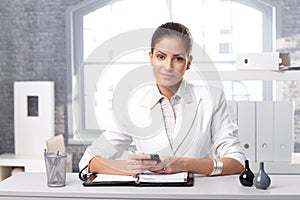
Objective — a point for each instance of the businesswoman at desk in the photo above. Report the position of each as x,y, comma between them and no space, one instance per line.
210,147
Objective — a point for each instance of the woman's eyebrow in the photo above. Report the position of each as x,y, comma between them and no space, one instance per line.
179,54
161,52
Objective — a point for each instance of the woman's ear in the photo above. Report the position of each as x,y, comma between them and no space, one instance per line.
189,62
150,56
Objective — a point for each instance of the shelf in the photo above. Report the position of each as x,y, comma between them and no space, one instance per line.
280,168
247,75
31,163
261,75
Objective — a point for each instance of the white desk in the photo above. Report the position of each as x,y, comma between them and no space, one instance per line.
34,186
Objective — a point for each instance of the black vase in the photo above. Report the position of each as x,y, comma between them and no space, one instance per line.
247,176
261,179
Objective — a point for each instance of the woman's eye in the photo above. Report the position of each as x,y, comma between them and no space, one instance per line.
179,59
160,57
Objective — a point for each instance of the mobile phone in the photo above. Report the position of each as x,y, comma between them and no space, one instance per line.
155,157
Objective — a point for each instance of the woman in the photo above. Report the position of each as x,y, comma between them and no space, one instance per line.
198,135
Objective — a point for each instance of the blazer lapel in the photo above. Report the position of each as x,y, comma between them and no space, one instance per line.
160,139
184,129
156,133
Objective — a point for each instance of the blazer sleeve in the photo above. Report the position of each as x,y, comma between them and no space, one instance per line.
110,144
225,138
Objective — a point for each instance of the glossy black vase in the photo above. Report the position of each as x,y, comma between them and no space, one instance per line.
247,176
261,179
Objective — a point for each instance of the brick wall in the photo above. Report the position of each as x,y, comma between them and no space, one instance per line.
290,42
33,47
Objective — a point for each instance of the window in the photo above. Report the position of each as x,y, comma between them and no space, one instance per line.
224,48
221,28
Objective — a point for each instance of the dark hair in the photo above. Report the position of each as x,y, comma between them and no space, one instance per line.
171,29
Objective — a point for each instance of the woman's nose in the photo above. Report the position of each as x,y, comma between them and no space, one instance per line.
168,64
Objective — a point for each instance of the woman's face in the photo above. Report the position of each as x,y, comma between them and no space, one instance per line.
170,60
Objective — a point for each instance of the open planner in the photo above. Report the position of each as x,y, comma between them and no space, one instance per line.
145,179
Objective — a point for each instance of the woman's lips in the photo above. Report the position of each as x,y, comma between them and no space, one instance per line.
167,75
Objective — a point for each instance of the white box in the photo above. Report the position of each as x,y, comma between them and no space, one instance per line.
257,61
33,126
283,131
264,131
247,130
233,112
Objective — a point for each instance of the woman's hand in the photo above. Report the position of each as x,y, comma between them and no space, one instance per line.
139,163
169,165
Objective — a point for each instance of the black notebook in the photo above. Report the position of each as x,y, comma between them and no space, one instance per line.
182,179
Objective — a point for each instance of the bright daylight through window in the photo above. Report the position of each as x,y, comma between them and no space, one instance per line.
221,28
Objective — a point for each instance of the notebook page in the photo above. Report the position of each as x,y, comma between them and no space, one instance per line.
111,177
160,178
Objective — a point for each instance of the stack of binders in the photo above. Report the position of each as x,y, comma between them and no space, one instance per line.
266,130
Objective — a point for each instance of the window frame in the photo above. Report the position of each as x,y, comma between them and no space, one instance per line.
74,35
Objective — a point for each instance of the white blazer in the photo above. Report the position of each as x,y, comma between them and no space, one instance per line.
203,128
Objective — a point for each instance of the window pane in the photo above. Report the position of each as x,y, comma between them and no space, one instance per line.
96,29
111,20
291,92
243,90
222,28
104,92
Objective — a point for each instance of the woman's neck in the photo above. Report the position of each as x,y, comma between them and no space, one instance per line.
168,91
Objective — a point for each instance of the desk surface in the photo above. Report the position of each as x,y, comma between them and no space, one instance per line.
33,186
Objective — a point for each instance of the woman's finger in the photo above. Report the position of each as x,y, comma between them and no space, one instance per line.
139,156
